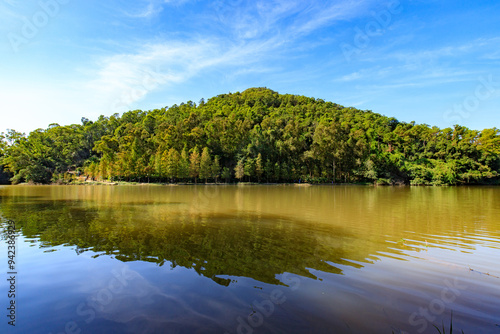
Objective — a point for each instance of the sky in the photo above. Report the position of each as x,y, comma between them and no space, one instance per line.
430,61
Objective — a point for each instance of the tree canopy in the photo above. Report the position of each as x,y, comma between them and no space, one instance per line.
257,135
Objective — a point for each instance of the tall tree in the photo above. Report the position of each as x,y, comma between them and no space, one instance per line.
226,174
240,169
173,163
194,164
215,168
259,168
205,164
249,168
183,171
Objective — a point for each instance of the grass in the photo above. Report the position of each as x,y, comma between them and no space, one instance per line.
443,330
451,326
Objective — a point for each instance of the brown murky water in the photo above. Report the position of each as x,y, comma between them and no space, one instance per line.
253,259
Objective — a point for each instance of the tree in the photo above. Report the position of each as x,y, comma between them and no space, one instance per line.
240,169
259,168
194,164
205,165
268,170
277,172
92,170
172,167
215,168
149,167
249,168
4,175
329,144
183,170
159,165
300,138
105,169
370,173
284,171
226,174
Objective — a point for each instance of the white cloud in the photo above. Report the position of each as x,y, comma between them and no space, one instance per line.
321,16
263,31
290,18
450,51
123,79
148,11
150,8
352,76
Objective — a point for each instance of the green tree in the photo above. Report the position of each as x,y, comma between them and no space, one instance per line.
205,165
183,171
239,170
259,168
194,164
226,174
329,146
277,172
215,168
159,165
300,137
249,168
173,163
269,170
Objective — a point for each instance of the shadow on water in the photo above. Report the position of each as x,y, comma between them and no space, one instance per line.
245,245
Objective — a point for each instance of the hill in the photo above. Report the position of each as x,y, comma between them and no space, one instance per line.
257,135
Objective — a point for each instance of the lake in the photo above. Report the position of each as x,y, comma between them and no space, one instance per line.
251,259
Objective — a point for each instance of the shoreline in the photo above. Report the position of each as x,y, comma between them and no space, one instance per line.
240,184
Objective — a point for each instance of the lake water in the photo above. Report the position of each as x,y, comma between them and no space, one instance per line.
252,259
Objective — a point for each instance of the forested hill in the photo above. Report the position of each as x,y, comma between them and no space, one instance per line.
257,135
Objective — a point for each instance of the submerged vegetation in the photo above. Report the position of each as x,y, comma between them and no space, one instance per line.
257,136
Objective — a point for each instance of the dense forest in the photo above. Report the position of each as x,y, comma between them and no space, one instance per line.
254,136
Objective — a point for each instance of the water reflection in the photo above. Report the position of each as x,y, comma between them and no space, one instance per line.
250,245
363,255
256,232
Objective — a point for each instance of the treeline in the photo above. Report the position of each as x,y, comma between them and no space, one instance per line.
259,136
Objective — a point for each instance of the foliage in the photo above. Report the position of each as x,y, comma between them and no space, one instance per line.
257,135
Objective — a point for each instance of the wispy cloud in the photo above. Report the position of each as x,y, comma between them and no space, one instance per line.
147,11
408,75
263,31
259,34
457,51
290,18
124,79
430,67
143,53
321,15
151,8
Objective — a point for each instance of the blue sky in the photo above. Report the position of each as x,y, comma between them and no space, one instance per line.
433,62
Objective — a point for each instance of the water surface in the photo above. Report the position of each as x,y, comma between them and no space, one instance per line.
253,259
